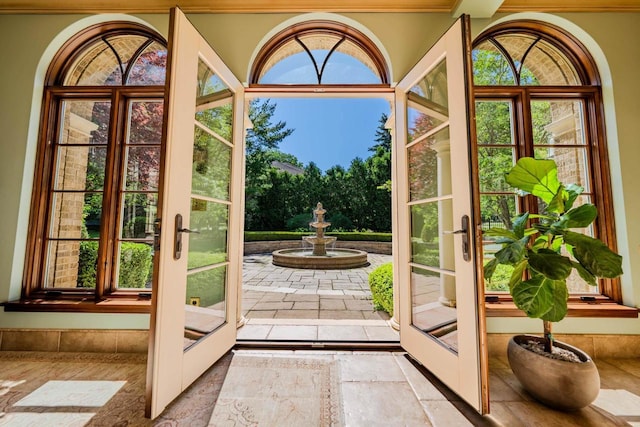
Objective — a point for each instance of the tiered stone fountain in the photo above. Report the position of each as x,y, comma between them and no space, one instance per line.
319,241
319,257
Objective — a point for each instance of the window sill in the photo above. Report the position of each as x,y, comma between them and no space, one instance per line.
598,308
119,305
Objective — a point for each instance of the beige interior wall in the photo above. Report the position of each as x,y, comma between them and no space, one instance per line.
405,37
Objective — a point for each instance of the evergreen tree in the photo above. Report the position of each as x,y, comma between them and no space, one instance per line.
261,143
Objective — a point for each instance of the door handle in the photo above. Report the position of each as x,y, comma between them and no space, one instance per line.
466,238
177,242
455,232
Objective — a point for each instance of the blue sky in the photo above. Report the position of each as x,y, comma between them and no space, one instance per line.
330,131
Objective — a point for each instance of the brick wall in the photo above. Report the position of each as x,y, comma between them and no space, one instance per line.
67,216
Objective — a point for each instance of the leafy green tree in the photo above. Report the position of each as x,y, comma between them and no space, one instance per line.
335,182
358,195
491,68
313,187
358,186
495,133
379,167
493,128
261,147
263,138
383,136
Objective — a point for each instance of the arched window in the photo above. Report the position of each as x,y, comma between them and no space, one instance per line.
537,93
319,52
97,173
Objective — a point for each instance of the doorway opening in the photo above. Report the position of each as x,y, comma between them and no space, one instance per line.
302,151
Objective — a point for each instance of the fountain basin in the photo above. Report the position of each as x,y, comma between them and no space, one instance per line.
334,259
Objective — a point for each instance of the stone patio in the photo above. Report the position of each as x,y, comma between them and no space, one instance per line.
300,304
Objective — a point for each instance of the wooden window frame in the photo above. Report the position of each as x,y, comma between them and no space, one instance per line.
105,297
608,303
319,27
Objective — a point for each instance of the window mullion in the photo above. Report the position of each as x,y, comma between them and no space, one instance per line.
110,199
524,139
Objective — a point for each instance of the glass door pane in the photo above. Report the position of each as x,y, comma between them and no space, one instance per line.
433,279
206,293
441,324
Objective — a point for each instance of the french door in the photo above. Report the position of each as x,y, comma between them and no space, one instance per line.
195,299
441,318
198,268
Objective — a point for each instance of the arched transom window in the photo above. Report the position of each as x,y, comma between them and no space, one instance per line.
537,94
98,167
319,52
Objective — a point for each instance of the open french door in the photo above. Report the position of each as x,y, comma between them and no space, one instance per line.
198,267
441,315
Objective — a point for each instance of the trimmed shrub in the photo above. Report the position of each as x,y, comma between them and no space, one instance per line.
87,264
264,236
135,265
381,284
360,236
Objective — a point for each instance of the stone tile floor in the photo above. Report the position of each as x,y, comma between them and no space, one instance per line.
311,305
376,388
359,389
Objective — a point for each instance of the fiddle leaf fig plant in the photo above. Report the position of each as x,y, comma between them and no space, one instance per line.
543,254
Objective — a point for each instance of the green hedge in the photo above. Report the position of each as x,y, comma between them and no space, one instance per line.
87,264
361,237
261,236
381,284
135,265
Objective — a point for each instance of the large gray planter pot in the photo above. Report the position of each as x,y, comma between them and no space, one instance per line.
556,383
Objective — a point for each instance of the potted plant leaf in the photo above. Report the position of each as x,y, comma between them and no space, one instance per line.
544,248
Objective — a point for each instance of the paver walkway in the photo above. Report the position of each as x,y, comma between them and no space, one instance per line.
312,305
274,292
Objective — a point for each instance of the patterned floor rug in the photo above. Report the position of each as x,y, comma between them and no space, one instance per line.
279,391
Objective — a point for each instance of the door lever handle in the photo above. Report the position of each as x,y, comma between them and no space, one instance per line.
462,231
186,230
466,238
177,238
